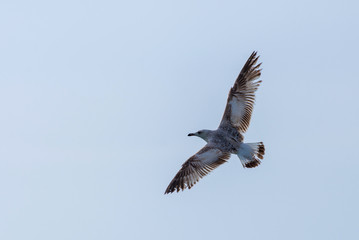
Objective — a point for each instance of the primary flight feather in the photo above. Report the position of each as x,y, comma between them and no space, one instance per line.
228,138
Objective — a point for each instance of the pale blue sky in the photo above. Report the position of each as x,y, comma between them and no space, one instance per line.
97,99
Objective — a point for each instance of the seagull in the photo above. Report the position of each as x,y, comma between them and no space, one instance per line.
228,138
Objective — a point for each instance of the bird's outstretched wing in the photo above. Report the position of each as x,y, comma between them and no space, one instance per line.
241,96
196,167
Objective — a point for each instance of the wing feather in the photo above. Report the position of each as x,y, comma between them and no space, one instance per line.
241,96
196,167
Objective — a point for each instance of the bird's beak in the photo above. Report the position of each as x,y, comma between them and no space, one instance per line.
191,134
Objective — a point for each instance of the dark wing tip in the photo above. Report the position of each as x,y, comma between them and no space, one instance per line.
168,190
171,188
250,70
175,185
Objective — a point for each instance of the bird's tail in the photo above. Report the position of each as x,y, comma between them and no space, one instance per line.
250,154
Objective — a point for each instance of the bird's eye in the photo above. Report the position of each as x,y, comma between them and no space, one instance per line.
199,132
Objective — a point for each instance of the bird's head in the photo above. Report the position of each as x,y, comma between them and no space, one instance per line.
204,134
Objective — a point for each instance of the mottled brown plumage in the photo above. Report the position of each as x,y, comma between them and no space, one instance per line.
196,167
242,95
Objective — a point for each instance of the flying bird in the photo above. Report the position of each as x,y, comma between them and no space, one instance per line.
228,138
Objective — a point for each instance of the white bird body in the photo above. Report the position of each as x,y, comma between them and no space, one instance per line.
228,138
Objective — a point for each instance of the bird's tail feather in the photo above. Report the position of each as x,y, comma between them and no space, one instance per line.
251,154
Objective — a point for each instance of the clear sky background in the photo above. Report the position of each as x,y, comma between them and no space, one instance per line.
97,99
